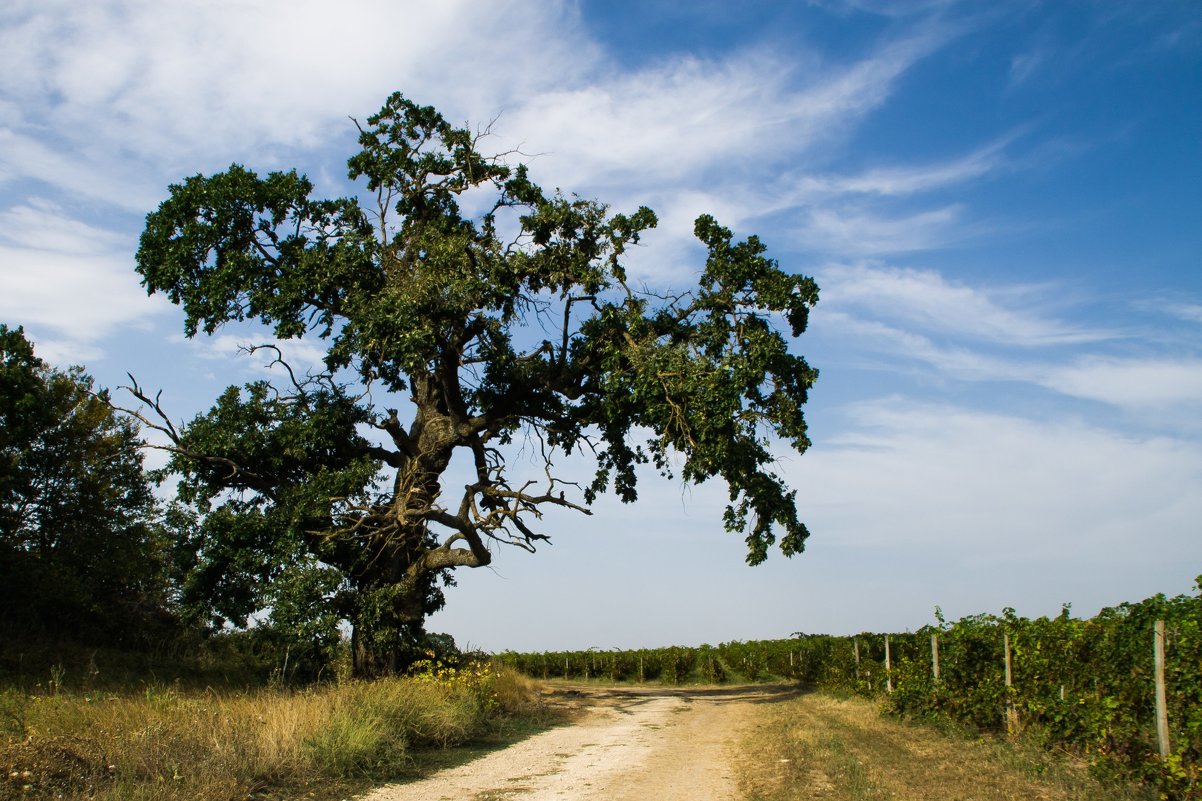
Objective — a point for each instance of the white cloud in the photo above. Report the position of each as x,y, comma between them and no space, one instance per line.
1025,65
1008,333
907,180
1138,384
141,93
675,121
69,282
855,230
926,300
73,170
902,349
43,225
652,126
998,489
1191,312
77,297
301,355
169,84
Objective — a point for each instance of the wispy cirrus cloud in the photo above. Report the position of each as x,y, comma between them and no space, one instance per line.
1191,312
904,319
875,344
142,93
927,301
691,135
1160,385
682,118
904,180
30,154
148,87
1023,66
1138,384
43,224
881,209
888,8
839,213
853,229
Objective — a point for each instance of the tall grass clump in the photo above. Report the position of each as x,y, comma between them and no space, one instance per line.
165,743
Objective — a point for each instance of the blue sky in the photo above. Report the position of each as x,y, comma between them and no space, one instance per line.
1000,203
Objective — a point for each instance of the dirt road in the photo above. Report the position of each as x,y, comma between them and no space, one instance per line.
652,743
775,743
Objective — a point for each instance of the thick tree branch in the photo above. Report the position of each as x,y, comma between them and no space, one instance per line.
392,426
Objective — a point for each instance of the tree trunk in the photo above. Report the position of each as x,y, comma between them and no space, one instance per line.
396,577
393,595
384,641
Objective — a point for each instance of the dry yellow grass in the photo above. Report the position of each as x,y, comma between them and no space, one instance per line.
818,746
165,744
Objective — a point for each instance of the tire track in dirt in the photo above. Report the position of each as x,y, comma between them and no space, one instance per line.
661,743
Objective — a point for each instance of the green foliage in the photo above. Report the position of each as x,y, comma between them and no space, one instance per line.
82,554
447,333
302,629
1083,684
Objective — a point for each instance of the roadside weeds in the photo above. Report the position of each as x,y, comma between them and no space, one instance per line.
166,744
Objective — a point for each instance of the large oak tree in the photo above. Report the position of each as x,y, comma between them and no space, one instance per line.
451,332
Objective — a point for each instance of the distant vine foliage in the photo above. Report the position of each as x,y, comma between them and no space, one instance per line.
448,333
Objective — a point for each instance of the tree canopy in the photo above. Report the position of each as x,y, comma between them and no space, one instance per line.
461,308
81,553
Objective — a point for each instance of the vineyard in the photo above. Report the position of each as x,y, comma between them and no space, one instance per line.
1086,686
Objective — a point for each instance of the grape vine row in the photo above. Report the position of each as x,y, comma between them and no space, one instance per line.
1082,685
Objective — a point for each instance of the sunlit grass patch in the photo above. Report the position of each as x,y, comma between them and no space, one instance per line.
844,749
164,743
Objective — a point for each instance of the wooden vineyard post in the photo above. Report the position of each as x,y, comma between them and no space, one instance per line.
641,675
1162,715
1011,713
888,668
935,656
856,645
